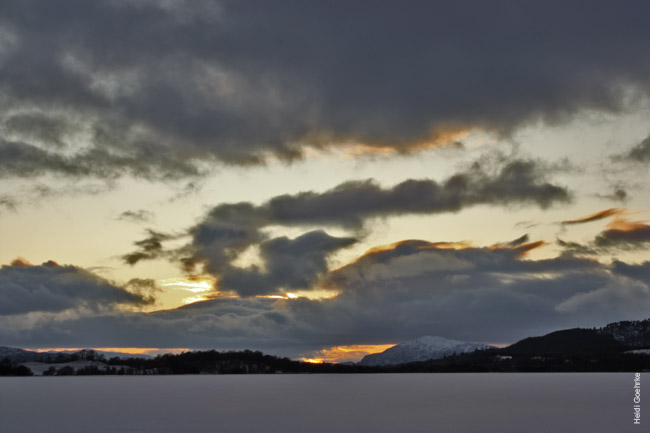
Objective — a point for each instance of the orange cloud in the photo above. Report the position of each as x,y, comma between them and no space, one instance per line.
625,233
595,216
19,261
327,143
623,224
462,245
521,248
441,137
420,245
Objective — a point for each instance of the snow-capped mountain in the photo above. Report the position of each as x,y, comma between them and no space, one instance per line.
420,349
21,355
14,354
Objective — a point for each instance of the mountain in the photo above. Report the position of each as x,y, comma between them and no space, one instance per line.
566,342
420,349
635,333
92,354
616,337
18,355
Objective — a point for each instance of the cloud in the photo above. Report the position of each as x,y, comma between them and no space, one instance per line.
389,294
621,234
571,248
156,89
640,152
291,264
350,203
229,229
149,248
640,272
49,287
8,202
477,293
635,236
523,240
594,217
144,288
24,160
136,216
618,194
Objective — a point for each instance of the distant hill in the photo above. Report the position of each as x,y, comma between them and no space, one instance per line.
568,341
616,337
620,346
17,355
635,333
420,349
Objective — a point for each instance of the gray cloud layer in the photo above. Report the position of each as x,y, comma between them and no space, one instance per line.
229,229
52,288
151,88
478,294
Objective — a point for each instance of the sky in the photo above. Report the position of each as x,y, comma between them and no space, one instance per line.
320,179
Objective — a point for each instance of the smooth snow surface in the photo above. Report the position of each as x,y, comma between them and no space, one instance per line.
372,403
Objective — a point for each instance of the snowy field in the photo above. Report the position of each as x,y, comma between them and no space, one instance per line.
373,403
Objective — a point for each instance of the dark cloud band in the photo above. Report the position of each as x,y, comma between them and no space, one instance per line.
486,294
153,88
52,288
229,229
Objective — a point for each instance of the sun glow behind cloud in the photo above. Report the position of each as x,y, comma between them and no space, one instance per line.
351,149
309,294
338,354
175,290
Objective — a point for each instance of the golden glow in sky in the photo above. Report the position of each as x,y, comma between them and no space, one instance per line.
352,353
179,291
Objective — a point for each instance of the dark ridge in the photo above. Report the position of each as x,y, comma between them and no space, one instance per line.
569,342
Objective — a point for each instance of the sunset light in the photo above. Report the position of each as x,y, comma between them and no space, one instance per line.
352,353
364,186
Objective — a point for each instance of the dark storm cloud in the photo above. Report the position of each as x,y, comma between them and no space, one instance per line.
290,263
20,159
414,288
229,229
639,272
350,203
476,293
38,127
630,238
52,288
153,87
